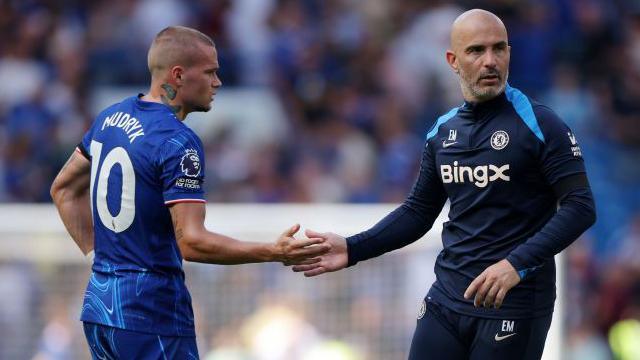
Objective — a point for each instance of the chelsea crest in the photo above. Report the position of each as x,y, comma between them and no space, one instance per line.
499,140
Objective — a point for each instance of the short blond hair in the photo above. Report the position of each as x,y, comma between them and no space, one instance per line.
175,45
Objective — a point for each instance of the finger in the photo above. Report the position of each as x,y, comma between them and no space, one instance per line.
310,261
310,233
473,287
317,271
310,251
500,298
491,295
291,231
305,267
482,292
303,243
301,260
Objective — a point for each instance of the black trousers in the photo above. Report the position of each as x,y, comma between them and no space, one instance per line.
443,334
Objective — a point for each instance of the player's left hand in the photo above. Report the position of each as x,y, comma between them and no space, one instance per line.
492,285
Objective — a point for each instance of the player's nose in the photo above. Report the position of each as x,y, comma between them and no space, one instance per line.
216,82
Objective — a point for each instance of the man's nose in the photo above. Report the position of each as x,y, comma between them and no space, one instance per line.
490,59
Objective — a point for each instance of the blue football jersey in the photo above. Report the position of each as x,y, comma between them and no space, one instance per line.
143,158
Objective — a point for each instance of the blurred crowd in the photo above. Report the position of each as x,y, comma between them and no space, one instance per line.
361,82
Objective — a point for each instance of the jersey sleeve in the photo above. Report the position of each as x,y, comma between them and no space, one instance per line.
181,165
561,156
84,147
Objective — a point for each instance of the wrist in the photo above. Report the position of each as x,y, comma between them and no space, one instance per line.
513,260
274,253
350,244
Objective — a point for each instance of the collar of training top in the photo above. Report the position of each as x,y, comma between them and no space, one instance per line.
485,107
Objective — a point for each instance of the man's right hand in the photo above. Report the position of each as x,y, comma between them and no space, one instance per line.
291,251
335,259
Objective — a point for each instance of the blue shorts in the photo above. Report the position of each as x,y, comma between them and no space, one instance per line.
444,334
106,342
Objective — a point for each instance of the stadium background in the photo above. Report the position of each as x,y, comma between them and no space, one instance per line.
322,102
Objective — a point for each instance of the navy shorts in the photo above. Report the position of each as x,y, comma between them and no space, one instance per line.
107,342
444,334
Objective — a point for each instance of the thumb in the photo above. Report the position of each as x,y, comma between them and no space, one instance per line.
314,234
291,231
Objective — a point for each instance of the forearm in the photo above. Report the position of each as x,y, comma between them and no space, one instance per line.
407,223
207,247
575,215
398,229
75,213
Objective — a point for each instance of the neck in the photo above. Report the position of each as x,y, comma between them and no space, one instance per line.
164,93
475,100
470,98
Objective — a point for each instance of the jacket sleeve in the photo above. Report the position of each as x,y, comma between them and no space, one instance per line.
409,222
563,168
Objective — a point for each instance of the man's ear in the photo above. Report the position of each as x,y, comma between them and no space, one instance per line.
452,60
176,74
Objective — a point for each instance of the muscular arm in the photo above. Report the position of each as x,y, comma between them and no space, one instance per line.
70,194
198,244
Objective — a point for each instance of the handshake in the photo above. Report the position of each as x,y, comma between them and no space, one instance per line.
317,254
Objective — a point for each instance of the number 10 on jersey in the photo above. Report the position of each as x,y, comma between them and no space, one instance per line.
123,220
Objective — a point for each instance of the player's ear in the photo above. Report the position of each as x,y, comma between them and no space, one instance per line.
176,74
452,60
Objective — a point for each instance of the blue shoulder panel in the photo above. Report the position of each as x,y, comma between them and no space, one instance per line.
523,107
441,120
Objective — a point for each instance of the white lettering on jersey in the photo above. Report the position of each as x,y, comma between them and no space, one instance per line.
575,149
478,175
193,184
130,125
452,135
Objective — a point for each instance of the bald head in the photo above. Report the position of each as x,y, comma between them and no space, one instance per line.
475,21
479,54
176,45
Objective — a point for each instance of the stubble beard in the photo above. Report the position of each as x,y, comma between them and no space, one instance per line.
471,87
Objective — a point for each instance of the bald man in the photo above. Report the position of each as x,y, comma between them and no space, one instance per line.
133,188
515,178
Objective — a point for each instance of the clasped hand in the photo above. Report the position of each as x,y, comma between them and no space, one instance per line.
333,260
327,252
292,251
